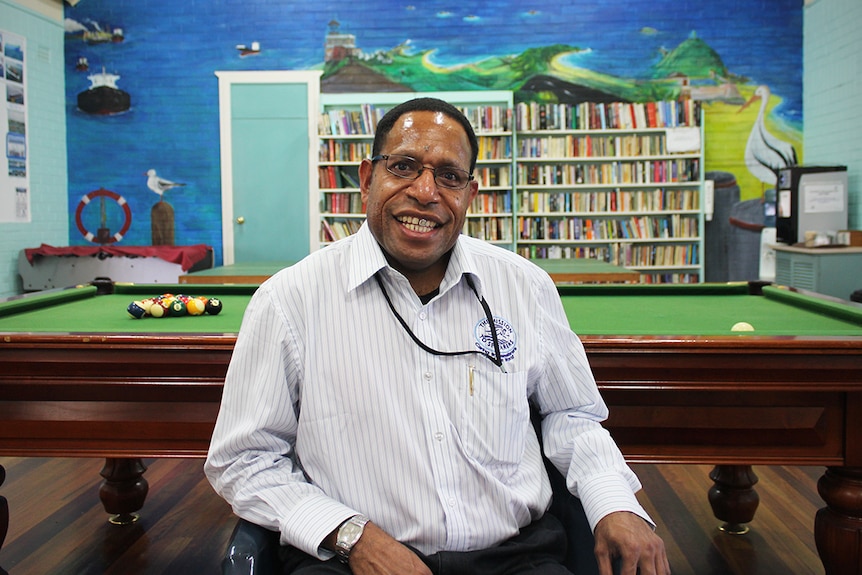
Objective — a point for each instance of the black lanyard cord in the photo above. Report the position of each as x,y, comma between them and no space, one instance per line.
498,361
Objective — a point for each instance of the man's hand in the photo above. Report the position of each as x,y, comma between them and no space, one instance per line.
376,553
629,537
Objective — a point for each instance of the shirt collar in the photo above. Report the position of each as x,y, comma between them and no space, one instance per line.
367,258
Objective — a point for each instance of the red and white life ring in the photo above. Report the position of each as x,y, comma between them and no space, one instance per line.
127,211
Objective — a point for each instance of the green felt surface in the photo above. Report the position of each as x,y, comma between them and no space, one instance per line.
703,309
608,309
80,310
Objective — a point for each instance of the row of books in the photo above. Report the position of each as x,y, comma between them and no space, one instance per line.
344,122
607,146
675,278
493,118
332,150
336,229
609,201
618,172
347,122
607,116
335,177
342,203
341,151
654,255
495,148
489,229
536,251
493,177
491,203
672,226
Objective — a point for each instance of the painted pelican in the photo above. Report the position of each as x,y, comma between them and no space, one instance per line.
764,153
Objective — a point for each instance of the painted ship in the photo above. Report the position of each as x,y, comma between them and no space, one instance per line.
103,97
248,50
102,36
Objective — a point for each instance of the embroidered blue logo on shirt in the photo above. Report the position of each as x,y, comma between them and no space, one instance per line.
506,337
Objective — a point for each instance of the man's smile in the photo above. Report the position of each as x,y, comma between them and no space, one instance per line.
415,224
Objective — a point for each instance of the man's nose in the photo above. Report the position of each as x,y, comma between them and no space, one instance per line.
424,188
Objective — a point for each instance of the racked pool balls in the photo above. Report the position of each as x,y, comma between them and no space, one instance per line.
213,306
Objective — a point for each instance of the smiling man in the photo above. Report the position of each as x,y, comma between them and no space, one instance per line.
377,406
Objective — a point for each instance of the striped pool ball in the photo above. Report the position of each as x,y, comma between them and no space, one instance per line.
195,306
136,310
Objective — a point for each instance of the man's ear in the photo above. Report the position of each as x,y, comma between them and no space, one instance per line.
366,168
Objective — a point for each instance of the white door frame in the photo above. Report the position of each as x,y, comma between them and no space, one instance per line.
225,80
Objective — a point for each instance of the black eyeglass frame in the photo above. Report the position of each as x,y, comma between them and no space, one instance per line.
422,168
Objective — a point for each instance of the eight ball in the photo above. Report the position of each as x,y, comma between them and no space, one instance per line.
213,306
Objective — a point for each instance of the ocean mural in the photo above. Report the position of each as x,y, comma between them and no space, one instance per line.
142,95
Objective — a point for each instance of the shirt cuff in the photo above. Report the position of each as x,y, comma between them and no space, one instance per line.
608,493
311,521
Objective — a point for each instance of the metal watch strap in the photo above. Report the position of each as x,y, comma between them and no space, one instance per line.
347,536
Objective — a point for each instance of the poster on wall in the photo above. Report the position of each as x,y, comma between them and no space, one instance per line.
15,176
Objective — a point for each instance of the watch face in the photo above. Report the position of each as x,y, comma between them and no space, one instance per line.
349,532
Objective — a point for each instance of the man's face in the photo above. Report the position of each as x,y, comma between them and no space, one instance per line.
417,221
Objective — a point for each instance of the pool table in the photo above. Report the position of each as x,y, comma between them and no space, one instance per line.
79,377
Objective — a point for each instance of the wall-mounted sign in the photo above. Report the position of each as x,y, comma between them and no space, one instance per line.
14,172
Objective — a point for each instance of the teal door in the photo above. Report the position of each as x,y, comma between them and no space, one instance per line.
269,147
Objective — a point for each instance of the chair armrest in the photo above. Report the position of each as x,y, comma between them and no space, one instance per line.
252,550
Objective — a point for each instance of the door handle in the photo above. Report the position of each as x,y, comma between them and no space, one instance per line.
240,220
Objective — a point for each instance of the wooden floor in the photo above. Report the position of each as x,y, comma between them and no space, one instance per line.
58,525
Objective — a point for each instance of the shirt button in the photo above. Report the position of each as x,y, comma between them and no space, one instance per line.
452,502
438,436
428,375
422,315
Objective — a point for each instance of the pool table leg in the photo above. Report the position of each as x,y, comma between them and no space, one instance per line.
124,489
732,497
838,526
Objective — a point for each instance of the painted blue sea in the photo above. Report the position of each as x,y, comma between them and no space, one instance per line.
170,51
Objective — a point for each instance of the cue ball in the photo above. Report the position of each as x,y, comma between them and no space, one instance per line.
213,306
742,326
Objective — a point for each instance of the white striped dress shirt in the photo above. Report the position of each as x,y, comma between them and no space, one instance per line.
330,409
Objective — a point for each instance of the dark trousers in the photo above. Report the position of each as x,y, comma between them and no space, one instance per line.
540,548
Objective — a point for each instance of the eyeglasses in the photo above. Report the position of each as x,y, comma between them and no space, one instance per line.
411,168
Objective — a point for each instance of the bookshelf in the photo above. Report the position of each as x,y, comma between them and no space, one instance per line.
346,133
618,182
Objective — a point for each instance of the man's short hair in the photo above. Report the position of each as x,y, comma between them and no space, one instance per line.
384,126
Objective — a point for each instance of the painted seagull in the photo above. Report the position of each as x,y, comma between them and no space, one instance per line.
160,185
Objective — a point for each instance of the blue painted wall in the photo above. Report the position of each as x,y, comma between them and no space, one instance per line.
170,50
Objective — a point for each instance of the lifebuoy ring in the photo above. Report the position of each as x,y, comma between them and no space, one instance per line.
127,211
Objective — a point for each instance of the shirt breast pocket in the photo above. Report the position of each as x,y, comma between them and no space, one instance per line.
495,420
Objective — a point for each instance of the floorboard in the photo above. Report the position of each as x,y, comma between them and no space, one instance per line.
58,527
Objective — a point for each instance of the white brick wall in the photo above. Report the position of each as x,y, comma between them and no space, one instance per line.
46,132
832,91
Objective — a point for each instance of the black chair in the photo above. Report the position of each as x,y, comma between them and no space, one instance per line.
253,550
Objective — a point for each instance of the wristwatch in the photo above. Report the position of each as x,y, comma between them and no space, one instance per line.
347,536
